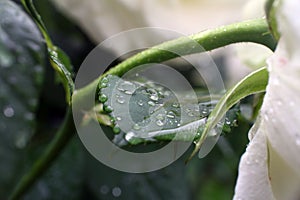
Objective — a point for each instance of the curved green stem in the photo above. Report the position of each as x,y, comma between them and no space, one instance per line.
60,140
256,31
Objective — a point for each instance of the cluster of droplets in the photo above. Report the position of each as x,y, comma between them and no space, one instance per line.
156,107
103,98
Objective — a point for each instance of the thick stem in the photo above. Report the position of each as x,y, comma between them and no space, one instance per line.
256,31
60,140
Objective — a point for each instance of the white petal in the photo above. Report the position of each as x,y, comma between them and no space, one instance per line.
281,108
253,178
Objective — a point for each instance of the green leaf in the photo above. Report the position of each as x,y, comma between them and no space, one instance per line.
142,111
253,83
58,59
21,76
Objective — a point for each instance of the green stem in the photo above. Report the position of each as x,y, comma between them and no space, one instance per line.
256,31
65,132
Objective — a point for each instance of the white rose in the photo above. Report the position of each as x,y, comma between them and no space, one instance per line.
270,167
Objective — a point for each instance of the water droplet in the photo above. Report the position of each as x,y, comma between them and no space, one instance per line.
104,189
204,112
151,103
103,85
116,129
108,109
126,87
129,136
140,103
160,122
116,191
8,111
227,122
176,105
104,80
103,98
121,99
118,118
153,94
171,115
136,127
178,124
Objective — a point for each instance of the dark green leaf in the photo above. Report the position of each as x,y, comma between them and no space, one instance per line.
21,75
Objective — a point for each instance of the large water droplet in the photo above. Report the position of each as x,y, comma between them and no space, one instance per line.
129,136
116,129
108,109
116,191
103,98
8,111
